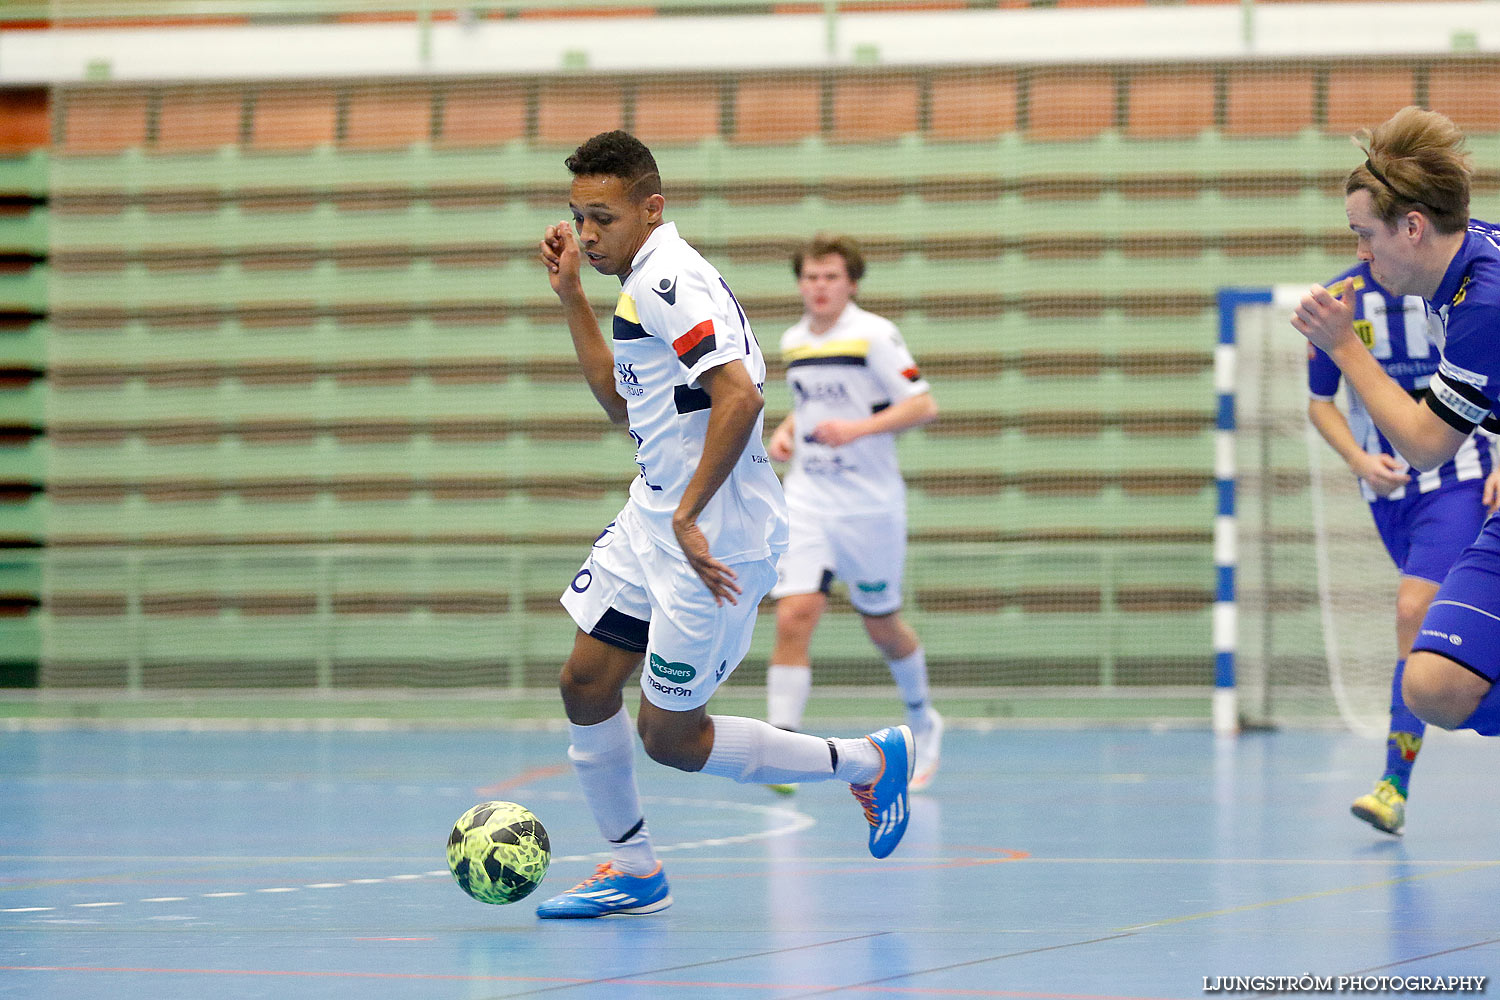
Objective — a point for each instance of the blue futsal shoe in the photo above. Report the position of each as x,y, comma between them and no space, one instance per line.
610,891
884,800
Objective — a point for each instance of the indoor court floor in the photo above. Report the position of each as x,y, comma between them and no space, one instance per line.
1062,863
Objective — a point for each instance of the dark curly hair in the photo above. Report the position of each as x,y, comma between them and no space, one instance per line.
618,154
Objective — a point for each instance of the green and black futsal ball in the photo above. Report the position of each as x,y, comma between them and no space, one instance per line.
498,852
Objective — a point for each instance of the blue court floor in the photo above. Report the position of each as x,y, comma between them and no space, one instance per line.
1049,864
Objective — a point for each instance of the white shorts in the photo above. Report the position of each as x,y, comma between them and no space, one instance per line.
637,596
866,551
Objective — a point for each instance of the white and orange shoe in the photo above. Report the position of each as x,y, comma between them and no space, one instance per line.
929,751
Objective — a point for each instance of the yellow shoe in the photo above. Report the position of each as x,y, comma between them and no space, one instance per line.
1384,808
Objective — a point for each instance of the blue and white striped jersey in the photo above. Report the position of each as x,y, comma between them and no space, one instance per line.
1404,337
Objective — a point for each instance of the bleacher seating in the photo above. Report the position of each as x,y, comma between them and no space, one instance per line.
300,360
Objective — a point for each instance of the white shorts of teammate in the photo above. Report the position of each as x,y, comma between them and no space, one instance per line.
866,551
633,594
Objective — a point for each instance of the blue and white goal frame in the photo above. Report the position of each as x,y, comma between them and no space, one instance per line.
1226,719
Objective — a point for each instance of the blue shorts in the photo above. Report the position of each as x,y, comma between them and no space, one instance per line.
1425,534
1463,623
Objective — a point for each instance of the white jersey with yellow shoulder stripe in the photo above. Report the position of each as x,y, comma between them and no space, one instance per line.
859,366
675,319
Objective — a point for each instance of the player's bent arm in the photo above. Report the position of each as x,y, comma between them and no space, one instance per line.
1382,472
1422,437
595,358
914,412
563,259
1329,421
735,403
893,419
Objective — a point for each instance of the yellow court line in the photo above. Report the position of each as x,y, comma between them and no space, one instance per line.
1322,894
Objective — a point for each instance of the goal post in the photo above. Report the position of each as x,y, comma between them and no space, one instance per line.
1304,628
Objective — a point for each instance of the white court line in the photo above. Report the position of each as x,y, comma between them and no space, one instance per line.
793,822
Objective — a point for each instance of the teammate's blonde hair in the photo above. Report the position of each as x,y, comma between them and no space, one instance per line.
1415,162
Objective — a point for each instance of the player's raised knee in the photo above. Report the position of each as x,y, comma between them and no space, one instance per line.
1439,691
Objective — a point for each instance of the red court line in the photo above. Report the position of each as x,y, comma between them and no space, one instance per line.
523,779
623,981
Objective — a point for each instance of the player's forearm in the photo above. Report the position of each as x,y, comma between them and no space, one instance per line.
908,413
595,358
731,420
1422,438
1334,428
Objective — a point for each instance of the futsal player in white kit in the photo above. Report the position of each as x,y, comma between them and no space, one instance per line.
854,387
675,580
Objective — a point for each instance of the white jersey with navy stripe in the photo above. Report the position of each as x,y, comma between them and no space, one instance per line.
675,319
858,366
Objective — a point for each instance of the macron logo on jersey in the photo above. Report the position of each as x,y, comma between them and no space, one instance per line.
667,289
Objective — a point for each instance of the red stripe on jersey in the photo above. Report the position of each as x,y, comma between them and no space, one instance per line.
911,374
693,337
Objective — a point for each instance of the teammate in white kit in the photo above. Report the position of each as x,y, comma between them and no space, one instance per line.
675,580
854,388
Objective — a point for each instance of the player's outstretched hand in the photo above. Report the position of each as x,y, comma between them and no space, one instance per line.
562,258
1382,472
1491,496
1326,316
718,578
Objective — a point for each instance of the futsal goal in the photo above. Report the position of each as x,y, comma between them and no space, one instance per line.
1305,628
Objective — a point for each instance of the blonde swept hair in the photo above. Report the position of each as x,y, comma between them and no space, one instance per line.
1415,162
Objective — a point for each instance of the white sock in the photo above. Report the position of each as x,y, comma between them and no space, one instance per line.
910,674
603,757
755,752
787,689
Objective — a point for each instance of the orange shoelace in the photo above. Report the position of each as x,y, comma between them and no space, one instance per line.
604,871
865,794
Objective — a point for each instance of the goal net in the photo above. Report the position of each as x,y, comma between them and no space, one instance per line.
1316,592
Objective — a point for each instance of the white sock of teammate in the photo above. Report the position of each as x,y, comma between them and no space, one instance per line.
755,752
787,690
603,757
910,674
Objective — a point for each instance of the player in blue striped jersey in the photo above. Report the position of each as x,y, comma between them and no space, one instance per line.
1425,519
1408,206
